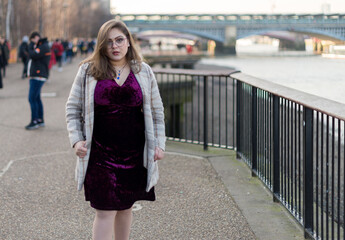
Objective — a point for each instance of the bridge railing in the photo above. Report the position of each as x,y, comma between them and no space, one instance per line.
230,17
291,140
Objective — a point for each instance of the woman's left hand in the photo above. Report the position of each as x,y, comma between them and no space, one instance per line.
159,154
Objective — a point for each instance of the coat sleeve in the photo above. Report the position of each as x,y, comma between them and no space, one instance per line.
74,118
38,52
157,112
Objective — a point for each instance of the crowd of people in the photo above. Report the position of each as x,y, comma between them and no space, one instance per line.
39,56
62,52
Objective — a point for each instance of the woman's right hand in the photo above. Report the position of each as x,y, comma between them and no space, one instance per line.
80,149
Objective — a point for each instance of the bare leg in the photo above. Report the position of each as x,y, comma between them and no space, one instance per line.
103,225
123,222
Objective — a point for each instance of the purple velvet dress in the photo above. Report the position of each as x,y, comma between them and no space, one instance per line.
116,177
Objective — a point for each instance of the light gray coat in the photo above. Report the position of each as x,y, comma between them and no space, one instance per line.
153,117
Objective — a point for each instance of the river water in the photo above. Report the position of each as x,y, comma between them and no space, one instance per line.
304,71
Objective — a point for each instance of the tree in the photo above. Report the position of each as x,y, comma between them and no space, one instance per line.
56,18
8,15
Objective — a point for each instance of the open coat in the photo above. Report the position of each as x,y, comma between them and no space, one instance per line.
81,103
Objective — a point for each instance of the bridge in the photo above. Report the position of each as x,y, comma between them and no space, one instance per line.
225,29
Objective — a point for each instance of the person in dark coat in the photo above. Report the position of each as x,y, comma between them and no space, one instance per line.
24,55
5,54
38,67
1,64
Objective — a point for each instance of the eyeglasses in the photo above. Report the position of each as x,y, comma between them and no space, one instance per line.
118,42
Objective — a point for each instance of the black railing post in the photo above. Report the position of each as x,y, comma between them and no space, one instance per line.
254,132
276,142
238,116
308,173
205,113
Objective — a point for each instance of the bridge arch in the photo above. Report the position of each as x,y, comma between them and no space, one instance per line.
320,33
261,32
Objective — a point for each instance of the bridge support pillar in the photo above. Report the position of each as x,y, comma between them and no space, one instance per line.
225,50
228,47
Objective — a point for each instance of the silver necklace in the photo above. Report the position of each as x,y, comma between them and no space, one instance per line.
118,72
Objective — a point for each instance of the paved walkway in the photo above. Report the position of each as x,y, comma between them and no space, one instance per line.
201,195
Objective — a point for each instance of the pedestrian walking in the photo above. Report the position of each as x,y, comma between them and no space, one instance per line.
24,55
58,51
69,52
39,53
64,53
5,54
1,65
115,121
80,46
90,46
52,60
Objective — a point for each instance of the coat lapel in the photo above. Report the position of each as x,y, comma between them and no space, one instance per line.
90,107
141,84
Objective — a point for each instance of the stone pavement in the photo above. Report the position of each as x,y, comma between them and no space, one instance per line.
201,195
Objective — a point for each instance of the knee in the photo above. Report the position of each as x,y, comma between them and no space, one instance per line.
103,215
126,212
31,98
34,98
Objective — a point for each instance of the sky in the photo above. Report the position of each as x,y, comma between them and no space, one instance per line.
226,6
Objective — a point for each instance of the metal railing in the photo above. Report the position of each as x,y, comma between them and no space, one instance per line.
293,141
296,146
195,113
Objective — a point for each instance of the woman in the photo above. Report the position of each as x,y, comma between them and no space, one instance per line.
115,120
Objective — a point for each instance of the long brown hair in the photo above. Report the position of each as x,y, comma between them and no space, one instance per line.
100,66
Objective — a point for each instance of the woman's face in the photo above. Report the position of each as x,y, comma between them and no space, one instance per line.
117,46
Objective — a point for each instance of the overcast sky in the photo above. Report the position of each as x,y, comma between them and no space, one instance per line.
226,6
